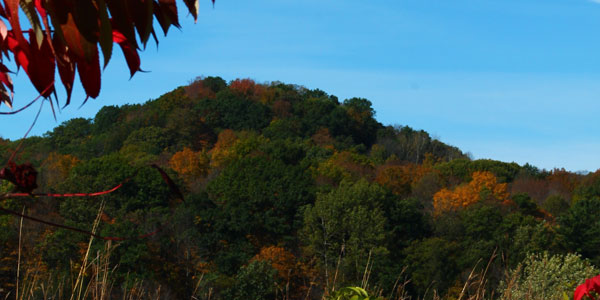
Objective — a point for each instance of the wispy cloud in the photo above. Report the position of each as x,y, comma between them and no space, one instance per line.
595,1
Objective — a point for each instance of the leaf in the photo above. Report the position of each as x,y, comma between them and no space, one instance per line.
130,53
21,58
3,30
105,40
142,13
166,14
40,9
86,18
66,66
193,7
13,18
5,97
30,11
43,67
89,74
121,19
4,78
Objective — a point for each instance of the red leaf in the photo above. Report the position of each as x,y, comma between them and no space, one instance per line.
66,66
89,74
192,6
141,11
585,288
4,78
42,74
130,53
121,19
21,58
13,18
166,14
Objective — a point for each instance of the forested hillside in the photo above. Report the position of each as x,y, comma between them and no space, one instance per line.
289,193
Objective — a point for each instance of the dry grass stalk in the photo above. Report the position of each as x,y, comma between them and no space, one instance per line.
79,283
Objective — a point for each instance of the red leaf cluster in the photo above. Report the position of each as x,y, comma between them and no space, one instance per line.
23,176
592,284
68,35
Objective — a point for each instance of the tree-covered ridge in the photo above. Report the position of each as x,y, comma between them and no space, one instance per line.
289,192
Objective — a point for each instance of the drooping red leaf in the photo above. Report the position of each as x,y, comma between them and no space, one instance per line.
21,58
44,14
142,13
193,7
166,14
121,20
105,34
85,16
66,66
4,78
5,96
131,55
13,14
42,70
77,43
89,74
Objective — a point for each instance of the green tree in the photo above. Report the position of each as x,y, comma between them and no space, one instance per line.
254,281
580,228
348,222
432,265
231,111
256,199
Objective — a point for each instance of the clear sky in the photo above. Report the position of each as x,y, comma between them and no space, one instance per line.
512,80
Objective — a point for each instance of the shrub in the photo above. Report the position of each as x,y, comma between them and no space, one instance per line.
541,276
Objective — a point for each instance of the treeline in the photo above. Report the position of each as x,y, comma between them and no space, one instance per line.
289,193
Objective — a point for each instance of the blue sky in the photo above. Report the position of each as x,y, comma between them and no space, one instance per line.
512,80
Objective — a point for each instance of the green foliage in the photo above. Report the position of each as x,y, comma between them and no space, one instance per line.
351,293
151,139
228,110
432,264
556,205
254,281
463,168
532,238
406,222
407,144
525,204
258,198
579,227
543,276
347,220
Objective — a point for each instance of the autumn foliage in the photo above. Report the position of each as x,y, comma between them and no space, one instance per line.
188,163
470,193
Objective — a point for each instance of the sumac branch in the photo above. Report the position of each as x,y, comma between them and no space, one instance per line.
68,36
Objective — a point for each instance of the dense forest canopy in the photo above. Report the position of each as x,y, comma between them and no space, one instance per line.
289,193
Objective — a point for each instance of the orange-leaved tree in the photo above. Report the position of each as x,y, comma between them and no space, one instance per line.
483,184
189,164
68,36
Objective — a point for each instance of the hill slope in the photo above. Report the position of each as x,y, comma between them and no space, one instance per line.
287,191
